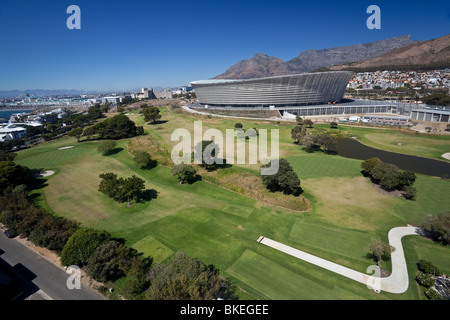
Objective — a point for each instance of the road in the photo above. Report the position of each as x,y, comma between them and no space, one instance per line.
44,280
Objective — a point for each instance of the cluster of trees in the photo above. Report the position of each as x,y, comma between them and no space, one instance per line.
21,217
106,259
121,189
325,142
114,128
438,227
185,278
390,177
285,180
438,98
426,277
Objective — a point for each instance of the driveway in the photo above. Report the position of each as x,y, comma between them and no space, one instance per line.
397,282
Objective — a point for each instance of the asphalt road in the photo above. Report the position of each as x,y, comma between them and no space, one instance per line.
43,279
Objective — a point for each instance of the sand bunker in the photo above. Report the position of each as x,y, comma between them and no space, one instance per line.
64,148
44,174
446,155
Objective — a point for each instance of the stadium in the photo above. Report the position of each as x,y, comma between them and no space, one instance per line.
280,91
306,94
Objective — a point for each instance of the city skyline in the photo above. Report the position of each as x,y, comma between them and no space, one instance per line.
127,45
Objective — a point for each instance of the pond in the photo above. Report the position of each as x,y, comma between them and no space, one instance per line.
351,148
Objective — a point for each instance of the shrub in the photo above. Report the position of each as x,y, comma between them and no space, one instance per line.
185,173
107,147
428,268
424,279
369,164
143,160
81,245
285,180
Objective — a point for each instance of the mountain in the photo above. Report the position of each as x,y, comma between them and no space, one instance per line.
431,54
262,65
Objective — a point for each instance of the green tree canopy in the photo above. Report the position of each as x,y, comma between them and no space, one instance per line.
151,113
185,173
81,245
285,180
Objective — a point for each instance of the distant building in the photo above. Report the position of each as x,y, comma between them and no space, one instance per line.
430,115
145,94
386,119
11,132
165,94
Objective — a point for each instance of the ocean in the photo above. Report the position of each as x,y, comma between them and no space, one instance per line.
7,114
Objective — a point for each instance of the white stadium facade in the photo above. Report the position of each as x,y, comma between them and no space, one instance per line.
280,91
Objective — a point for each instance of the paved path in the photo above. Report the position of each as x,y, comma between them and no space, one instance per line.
397,282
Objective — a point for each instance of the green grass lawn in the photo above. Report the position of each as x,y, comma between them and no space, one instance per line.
221,227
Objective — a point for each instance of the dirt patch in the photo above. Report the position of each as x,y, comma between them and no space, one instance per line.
394,193
240,227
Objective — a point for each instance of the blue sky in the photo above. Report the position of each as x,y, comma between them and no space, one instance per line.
124,45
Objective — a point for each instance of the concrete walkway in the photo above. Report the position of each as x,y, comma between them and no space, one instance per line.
397,282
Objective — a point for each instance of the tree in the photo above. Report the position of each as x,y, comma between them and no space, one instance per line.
94,112
369,164
109,185
297,133
438,227
308,123
107,147
131,187
238,126
152,113
299,120
333,125
406,179
185,173
208,151
309,142
327,142
88,132
387,175
117,127
410,193
81,245
143,160
12,175
121,189
77,133
285,180
185,278
379,250
103,264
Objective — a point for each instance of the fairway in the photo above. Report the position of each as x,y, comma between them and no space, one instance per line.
214,221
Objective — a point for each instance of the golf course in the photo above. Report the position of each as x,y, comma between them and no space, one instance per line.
219,218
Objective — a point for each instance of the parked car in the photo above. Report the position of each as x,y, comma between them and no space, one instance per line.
10,234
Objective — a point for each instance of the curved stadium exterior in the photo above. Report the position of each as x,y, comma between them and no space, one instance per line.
280,91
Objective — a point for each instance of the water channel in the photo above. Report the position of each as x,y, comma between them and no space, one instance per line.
351,148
